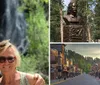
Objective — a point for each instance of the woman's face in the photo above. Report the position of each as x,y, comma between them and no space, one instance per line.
7,61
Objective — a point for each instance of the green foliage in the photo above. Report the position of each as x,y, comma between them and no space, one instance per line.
97,34
55,6
89,10
28,64
82,7
79,60
36,59
97,20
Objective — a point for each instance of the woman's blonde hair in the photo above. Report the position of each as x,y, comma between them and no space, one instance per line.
6,44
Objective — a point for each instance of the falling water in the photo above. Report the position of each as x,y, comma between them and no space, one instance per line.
13,25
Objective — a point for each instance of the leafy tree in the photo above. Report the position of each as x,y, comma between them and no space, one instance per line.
83,63
97,20
55,6
93,16
37,35
89,10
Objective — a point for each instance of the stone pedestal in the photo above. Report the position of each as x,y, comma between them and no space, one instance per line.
73,30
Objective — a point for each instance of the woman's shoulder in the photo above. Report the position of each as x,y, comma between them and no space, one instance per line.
30,78
27,76
34,78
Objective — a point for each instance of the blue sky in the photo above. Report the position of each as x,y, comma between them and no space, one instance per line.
66,2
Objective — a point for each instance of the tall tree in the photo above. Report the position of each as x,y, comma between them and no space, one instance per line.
97,20
82,11
55,10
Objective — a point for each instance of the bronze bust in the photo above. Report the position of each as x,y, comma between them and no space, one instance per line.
73,29
71,13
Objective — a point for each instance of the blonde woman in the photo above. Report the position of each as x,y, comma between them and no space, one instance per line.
9,60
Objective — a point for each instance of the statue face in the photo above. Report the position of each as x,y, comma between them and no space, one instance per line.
74,7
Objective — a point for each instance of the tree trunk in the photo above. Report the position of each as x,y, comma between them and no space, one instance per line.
61,25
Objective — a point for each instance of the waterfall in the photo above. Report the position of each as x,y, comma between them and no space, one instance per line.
13,25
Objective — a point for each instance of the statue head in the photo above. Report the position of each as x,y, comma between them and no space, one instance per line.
72,9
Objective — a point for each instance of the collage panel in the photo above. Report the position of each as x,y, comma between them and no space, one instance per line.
75,64
24,42
74,21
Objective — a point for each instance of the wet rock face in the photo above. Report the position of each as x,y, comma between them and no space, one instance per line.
2,8
2,11
12,24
